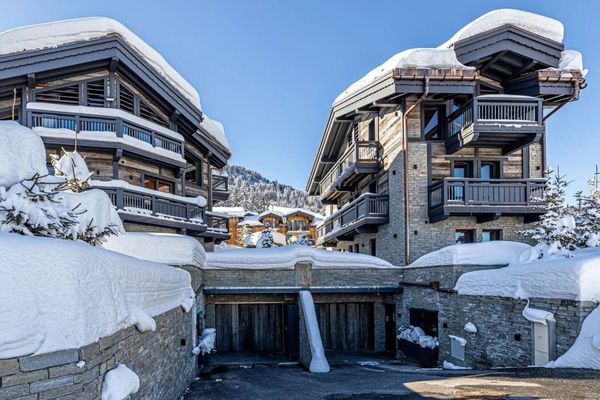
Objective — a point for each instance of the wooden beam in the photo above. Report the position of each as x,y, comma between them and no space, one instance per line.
492,61
31,80
114,64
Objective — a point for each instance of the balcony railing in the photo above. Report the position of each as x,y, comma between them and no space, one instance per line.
220,183
217,223
361,152
367,209
79,123
156,205
472,196
496,110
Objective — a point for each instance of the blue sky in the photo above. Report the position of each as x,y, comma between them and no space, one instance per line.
269,70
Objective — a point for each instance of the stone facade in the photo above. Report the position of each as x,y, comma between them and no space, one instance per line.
162,359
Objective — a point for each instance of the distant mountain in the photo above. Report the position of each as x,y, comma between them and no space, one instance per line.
252,191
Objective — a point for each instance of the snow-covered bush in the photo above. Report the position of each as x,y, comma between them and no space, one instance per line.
265,240
73,168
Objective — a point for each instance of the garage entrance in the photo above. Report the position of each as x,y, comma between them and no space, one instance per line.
250,327
346,326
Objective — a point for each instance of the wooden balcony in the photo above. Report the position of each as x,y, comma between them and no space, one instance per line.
486,199
363,215
220,187
504,121
157,209
361,159
217,226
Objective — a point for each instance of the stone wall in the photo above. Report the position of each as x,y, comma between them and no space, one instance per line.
162,360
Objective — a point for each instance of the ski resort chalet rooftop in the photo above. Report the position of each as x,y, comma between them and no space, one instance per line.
455,133
93,84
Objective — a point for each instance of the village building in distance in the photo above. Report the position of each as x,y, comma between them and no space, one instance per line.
445,145
138,123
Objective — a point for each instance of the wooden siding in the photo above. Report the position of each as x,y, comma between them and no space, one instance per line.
249,327
346,326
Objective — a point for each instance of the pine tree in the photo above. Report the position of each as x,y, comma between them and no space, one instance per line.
588,216
265,240
556,230
303,240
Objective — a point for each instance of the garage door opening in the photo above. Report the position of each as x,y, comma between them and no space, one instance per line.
347,326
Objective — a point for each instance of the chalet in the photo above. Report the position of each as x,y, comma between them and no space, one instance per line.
93,85
445,145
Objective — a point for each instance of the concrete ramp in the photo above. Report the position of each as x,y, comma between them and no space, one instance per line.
318,362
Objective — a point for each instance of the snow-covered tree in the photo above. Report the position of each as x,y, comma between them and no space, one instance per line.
587,210
73,168
303,240
265,240
245,235
556,230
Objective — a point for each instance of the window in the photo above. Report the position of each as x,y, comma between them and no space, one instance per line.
488,235
463,236
434,116
373,245
424,319
158,184
372,129
95,93
489,170
193,171
62,95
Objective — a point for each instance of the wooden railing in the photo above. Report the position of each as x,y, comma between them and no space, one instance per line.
362,151
367,205
78,123
155,204
496,109
220,183
216,222
482,192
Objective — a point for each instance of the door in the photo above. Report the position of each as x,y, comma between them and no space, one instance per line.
346,326
250,327
460,169
487,170
541,345
292,330
390,328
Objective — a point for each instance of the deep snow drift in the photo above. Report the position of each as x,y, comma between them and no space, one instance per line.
167,248
23,153
585,352
287,256
65,294
486,253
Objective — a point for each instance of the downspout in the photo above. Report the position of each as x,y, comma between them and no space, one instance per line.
405,174
576,89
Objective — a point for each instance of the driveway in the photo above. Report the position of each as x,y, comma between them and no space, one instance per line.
382,382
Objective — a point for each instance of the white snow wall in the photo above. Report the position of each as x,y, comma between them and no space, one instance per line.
318,362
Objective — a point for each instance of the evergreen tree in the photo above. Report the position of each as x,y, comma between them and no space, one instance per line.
588,217
303,240
265,240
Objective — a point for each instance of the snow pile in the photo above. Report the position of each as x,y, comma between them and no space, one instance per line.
411,58
534,23
94,211
54,34
216,130
166,248
119,383
572,59
449,365
470,327
65,294
459,340
23,154
415,334
207,341
536,315
318,362
287,256
574,278
72,166
585,352
485,253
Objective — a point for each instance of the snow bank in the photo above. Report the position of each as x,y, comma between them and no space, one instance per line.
415,334
54,34
534,23
411,58
558,277
119,383
23,154
166,248
318,362
449,365
65,294
215,129
585,352
485,253
94,211
287,256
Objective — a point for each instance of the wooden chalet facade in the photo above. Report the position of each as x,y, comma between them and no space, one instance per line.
143,139
420,158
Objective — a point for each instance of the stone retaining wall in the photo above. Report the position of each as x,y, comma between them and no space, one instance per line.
162,360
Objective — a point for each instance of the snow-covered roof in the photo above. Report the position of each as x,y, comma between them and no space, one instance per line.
166,248
231,211
554,276
54,34
486,253
411,58
286,211
215,129
534,23
287,256
250,222
65,294
22,153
